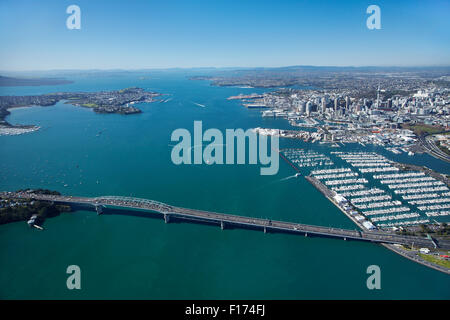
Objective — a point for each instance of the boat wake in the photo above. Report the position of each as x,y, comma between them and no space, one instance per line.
290,177
199,104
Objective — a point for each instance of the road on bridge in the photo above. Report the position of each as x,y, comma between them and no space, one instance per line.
222,219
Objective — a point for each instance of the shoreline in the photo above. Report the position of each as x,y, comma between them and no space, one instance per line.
21,107
8,129
416,259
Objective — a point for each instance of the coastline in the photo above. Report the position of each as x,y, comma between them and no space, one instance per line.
415,258
8,129
21,107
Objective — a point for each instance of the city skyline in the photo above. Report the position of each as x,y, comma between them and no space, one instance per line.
221,34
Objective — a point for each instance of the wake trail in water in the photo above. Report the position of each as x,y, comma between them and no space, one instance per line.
287,178
275,181
198,104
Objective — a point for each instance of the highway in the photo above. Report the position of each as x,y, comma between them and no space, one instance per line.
432,149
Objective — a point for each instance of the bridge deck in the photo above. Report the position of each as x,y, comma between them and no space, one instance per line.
236,220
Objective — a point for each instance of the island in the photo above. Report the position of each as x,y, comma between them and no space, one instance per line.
17,82
117,101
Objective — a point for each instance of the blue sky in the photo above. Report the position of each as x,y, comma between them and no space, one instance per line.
136,34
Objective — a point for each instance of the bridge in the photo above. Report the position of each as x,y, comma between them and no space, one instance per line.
168,212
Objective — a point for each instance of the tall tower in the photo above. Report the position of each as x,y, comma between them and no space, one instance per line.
378,97
308,108
324,105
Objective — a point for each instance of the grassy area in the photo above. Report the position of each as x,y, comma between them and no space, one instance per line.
444,149
420,129
436,260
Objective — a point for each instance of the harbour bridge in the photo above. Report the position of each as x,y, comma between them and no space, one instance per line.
169,212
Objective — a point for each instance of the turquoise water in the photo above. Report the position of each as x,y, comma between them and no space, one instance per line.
132,257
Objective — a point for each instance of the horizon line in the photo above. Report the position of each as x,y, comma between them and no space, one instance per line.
234,67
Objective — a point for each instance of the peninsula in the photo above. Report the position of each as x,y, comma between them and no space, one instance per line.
117,101
18,82
33,211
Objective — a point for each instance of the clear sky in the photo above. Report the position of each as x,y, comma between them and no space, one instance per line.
136,34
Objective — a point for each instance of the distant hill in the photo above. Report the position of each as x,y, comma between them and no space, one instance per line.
15,82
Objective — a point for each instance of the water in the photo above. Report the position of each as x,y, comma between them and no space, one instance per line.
131,257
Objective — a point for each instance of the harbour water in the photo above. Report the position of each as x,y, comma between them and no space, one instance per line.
122,256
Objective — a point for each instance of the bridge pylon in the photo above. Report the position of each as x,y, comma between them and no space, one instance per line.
166,218
222,225
98,208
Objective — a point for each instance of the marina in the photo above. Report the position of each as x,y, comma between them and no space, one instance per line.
385,200
302,158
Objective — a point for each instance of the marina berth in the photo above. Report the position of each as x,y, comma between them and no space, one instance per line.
421,190
386,211
370,160
336,176
381,169
399,175
404,223
415,185
429,201
351,194
420,196
373,198
327,171
349,187
345,181
363,164
437,213
396,217
391,181
434,207
378,204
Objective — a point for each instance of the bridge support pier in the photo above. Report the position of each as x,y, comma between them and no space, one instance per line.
222,225
99,209
166,218
345,238
265,229
306,234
